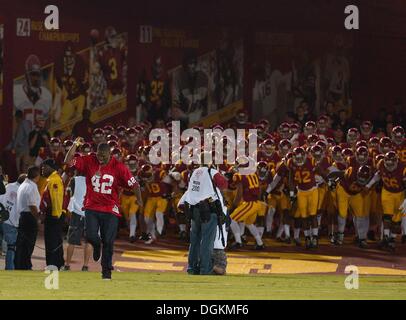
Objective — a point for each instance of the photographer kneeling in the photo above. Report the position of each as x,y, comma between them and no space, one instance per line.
203,203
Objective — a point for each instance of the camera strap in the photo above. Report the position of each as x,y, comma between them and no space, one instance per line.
218,217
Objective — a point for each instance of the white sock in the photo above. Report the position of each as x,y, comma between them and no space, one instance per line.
242,228
269,219
403,226
354,220
315,232
133,225
150,226
280,231
159,222
254,231
182,227
341,224
362,227
381,230
261,231
296,233
319,220
306,232
235,228
386,232
286,228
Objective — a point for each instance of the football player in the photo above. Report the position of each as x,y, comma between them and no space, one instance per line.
128,201
249,208
158,185
71,80
112,60
350,196
399,143
302,176
393,175
31,97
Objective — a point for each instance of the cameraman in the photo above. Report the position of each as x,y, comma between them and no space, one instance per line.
200,204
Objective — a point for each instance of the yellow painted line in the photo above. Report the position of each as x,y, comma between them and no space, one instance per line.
153,266
177,256
295,266
381,271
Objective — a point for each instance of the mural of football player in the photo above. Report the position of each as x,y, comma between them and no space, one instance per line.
337,74
72,81
190,91
112,60
305,81
158,93
30,96
227,84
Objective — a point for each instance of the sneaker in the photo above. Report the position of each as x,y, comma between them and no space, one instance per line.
106,275
315,242
96,253
236,245
339,239
308,243
244,239
132,239
85,268
392,245
279,239
332,238
259,247
144,237
288,240
65,268
363,244
150,240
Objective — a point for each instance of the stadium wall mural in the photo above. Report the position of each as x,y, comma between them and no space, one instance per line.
291,67
60,73
195,76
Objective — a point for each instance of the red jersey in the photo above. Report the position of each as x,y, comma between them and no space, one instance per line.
352,162
250,186
392,181
349,182
71,78
272,160
156,187
401,151
103,183
303,175
112,61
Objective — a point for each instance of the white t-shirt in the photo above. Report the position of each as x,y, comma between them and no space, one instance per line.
9,200
76,202
28,195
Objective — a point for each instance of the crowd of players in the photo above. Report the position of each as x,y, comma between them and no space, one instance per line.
304,181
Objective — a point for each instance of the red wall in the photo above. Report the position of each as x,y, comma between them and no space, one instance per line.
379,55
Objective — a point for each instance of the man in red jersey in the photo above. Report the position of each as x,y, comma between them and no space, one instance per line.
105,175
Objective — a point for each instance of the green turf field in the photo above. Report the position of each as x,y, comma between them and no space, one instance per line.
78,285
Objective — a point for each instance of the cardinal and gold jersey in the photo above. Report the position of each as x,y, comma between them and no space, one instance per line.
156,190
250,207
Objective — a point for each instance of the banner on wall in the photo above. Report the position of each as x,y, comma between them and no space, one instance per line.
64,73
1,60
193,76
292,68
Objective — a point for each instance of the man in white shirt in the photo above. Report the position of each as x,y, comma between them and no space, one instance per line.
10,226
28,202
199,200
77,223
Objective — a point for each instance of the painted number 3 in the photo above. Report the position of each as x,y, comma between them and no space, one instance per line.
102,185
